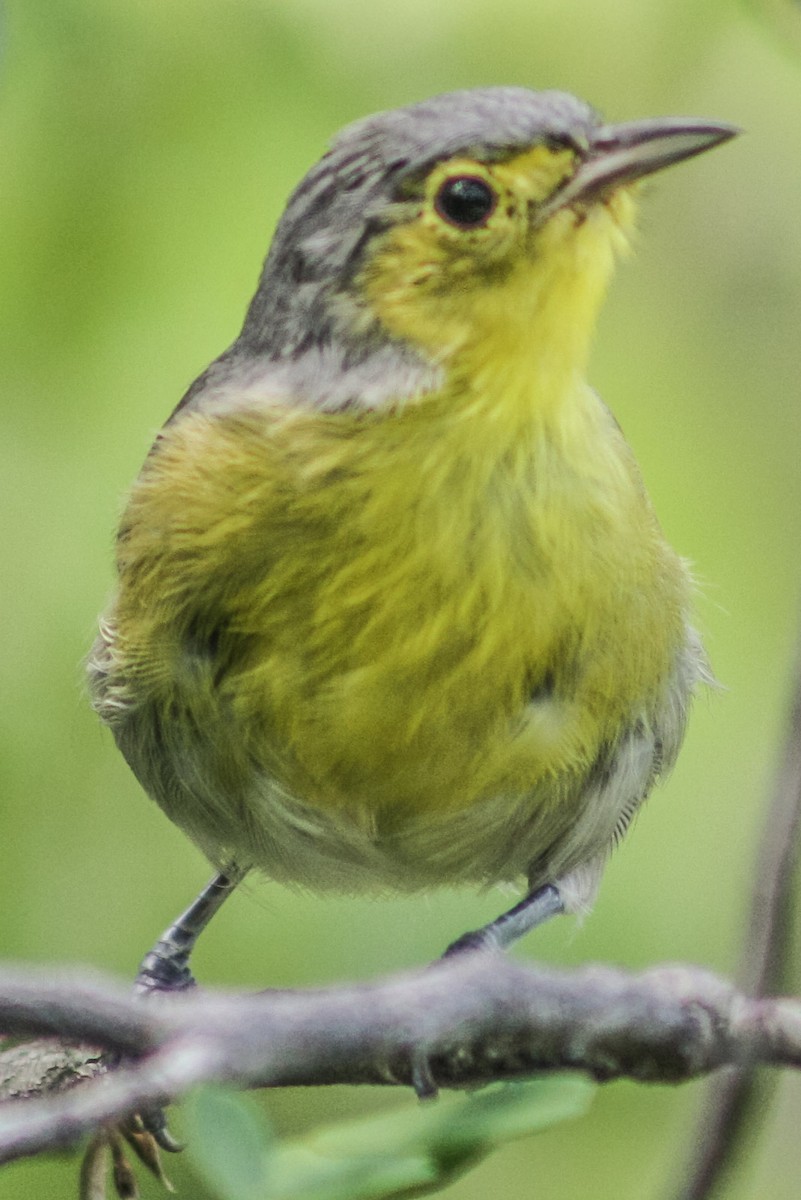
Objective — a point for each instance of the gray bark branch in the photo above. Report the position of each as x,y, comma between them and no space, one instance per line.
478,1019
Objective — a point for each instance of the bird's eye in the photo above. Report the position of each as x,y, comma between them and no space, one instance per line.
465,201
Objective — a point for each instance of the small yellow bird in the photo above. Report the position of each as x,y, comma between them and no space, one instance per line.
394,610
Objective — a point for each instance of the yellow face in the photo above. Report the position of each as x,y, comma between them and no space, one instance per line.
484,251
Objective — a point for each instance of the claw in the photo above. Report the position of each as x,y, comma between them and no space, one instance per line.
423,1081
154,1122
146,1147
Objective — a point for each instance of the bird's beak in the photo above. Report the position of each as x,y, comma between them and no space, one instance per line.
621,154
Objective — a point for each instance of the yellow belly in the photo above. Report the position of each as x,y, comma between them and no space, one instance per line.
396,622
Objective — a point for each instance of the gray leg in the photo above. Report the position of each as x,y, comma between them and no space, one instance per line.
535,908
165,968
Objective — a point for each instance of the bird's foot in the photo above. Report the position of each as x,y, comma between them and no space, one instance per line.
165,968
535,908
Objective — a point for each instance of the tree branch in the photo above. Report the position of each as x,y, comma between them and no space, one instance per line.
478,1019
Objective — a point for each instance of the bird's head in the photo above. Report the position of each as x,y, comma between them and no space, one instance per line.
475,223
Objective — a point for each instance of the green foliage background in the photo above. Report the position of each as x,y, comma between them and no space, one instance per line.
146,149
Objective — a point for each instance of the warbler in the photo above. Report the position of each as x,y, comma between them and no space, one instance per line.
394,610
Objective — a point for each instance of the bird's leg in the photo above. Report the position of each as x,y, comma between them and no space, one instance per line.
534,909
165,968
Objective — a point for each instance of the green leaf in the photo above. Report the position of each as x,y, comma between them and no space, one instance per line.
418,1150
229,1143
410,1151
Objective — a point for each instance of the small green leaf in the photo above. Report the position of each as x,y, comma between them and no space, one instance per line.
410,1151
229,1144
418,1150
509,1110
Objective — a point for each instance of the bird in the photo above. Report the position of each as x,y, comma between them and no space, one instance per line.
393,609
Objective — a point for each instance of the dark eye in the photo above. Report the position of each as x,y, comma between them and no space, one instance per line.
465,201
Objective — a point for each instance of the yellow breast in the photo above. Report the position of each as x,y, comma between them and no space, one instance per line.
401,612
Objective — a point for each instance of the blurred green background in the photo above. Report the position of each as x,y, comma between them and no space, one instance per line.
146,150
